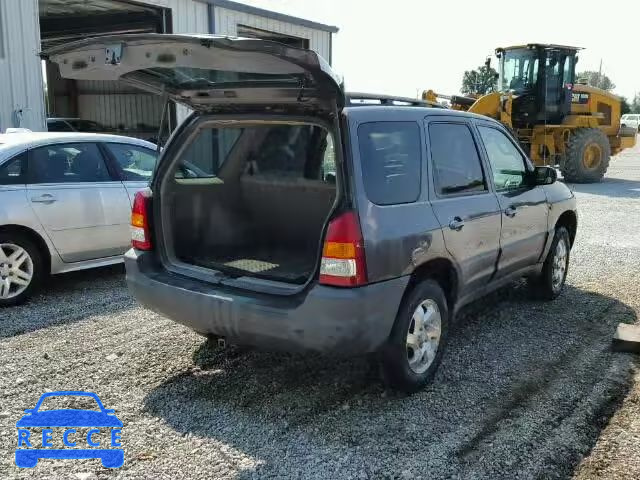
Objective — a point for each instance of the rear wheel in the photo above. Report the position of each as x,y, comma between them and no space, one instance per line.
21,268
414,350
587,157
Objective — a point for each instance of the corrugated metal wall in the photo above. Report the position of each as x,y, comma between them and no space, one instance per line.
21,85
226,22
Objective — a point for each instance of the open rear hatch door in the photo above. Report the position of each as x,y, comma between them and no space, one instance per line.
206,72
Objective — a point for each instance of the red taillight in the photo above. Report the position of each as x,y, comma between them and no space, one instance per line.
343,262
140,237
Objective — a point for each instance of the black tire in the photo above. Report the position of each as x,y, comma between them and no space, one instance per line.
574,167
394,357
39,273
544,286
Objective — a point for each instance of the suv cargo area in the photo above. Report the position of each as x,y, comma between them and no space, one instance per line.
250,200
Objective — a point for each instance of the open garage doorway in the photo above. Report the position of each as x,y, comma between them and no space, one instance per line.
101,106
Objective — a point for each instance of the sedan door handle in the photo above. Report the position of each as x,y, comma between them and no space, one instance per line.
45,198
510,212
456,224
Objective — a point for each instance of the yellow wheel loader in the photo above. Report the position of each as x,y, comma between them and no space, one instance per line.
559,122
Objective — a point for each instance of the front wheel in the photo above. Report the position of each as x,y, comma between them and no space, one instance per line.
414,350
554,272
587,157
21,268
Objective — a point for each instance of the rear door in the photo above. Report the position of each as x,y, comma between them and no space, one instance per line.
524,207
463,201
134,165
205,72
84,209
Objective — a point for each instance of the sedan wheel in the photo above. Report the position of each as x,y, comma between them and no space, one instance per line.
16,270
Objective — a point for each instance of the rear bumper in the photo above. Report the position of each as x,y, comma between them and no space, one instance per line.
344,321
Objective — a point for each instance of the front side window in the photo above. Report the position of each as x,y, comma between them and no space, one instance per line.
506,161
67,163
519,70
456,163
12,171
391,161
134,163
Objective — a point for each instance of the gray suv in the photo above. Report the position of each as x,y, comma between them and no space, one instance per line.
285,215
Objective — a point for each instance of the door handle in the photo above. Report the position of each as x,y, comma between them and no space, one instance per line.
510,212
456,224
45,198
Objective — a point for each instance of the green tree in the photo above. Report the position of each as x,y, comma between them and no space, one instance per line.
635,104
624,107
480,81
595,79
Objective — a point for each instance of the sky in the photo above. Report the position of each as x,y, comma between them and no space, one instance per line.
401,47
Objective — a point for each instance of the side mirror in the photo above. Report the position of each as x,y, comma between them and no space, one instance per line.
544,175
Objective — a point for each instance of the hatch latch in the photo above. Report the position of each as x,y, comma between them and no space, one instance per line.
113,54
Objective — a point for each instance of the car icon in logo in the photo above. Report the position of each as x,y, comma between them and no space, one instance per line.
31,447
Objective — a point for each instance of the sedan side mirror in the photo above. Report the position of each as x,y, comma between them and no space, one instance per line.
544,175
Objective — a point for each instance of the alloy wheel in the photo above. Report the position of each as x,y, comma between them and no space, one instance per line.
559,264
16,270
423,336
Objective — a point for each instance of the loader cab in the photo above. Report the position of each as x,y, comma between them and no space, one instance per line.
541,79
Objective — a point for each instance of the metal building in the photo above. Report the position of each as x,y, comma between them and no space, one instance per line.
28,26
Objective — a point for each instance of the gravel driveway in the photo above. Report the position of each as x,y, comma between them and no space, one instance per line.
524,391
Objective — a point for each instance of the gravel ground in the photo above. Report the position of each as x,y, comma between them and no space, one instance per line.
525,390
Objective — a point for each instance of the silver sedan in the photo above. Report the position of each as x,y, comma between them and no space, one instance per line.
65,204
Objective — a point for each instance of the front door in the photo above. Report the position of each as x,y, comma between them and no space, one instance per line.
466,209
524,207
84,210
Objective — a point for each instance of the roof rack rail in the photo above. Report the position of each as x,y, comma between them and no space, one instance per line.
356,99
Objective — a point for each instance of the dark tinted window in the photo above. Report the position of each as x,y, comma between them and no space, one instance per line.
12,171
456,163
506,161
86,126
133,162
266,151
59,126
390,157
67,162
291,151
206,154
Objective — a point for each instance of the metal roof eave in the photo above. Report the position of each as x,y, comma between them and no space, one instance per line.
241,7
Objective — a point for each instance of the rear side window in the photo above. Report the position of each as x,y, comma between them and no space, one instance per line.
134,163
12,171
456,164
391,161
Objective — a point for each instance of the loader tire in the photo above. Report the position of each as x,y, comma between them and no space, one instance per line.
587,157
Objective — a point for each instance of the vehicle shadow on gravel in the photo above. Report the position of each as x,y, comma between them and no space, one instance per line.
524,389
69,297
609,187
